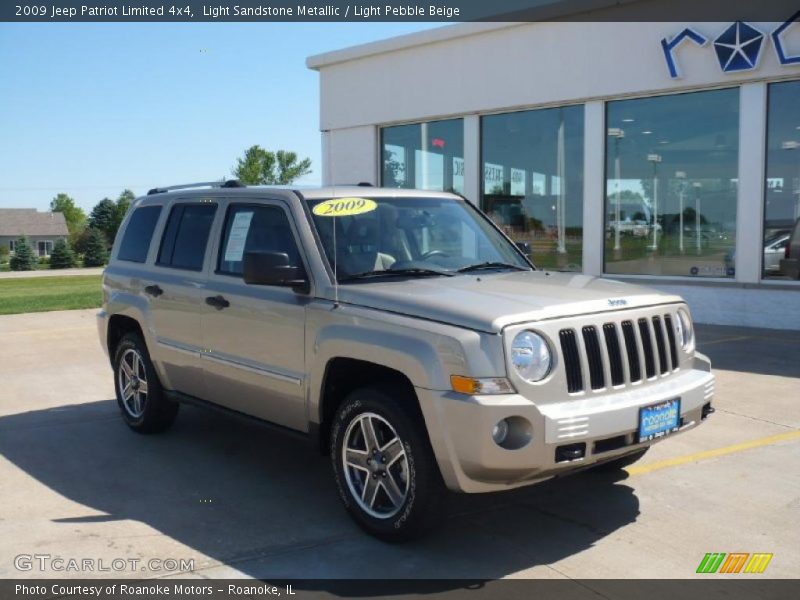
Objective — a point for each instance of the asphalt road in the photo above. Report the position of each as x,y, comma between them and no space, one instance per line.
241,501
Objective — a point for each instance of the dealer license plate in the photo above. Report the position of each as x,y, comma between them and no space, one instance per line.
659,420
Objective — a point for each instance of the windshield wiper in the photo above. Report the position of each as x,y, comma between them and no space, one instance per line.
415,272
491,265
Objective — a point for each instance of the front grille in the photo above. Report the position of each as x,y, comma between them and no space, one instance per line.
626,352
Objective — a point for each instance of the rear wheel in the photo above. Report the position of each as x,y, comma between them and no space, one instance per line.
622,462
384,467
140,397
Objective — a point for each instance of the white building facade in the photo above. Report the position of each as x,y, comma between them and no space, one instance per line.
660,153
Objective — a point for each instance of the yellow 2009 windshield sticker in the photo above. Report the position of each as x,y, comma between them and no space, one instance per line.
344,207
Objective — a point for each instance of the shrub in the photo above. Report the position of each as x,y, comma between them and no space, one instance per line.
95,254
62,257
23,259
4,252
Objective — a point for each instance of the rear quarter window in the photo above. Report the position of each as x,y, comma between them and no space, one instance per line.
183,245
138,234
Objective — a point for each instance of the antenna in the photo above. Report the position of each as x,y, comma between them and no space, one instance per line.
335,249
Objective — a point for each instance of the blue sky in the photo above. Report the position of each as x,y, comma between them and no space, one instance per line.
91,109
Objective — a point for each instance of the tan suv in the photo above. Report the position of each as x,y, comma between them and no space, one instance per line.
399,330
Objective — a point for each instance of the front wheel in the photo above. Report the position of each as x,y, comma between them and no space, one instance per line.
384,467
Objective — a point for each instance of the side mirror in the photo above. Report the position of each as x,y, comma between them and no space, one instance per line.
273,268
525,248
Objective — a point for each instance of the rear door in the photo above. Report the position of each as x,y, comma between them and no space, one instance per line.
176,290
254,336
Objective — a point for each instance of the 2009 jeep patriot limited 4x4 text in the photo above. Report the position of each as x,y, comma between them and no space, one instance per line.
399,329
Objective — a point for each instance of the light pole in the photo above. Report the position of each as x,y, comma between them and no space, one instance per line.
681,176
697,185
794,145
655,159
618,134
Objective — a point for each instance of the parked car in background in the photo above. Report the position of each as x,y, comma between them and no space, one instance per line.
774,251
790,265
401,332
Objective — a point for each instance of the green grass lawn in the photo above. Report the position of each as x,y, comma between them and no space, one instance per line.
39,294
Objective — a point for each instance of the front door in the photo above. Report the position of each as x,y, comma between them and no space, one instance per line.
254,335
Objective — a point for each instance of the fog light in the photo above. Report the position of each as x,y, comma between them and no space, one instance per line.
500,432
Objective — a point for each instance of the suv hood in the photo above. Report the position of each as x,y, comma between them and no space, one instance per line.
490,301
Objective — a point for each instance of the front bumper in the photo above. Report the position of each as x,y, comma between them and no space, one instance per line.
460,428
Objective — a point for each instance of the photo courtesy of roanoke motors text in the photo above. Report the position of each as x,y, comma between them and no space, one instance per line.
458,299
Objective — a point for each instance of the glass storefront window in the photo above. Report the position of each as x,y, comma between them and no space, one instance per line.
533,181
782,199
671,184
424,156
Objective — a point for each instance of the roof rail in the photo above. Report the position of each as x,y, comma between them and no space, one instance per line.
230,183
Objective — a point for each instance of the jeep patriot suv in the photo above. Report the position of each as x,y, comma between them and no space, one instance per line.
401,331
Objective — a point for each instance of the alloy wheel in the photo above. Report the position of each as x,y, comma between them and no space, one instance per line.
375,465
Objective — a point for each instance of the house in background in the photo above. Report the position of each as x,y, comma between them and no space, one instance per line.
42,229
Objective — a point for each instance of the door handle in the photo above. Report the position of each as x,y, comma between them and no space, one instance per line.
154,290
218,302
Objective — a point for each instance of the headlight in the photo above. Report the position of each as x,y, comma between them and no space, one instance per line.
530,356
685,330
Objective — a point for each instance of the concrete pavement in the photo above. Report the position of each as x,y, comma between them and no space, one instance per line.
240,500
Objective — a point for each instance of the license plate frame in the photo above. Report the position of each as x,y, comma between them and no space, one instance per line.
660,427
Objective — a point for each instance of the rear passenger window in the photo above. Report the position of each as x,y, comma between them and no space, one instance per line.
251,228
184,243
138,234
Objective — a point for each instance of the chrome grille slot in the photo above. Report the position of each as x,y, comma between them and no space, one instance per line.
634,366
662,349
572,360
673,349
614,354
595,358
647,348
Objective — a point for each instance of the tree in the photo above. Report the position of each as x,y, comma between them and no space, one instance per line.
96,253
104,218
62,256
23,259
123,204
262,167
73,214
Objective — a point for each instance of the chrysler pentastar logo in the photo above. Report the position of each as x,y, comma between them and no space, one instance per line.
738,47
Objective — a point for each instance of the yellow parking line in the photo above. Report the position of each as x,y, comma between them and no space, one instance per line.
680,460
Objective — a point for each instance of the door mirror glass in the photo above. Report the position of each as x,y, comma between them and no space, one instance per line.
273,268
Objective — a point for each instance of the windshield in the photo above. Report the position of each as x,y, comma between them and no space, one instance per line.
411,237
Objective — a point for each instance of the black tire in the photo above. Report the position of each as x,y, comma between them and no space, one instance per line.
157,412
416,468
620,463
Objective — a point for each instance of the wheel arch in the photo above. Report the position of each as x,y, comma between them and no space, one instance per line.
344,375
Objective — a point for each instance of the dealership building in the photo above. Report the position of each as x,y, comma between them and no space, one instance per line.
663,153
